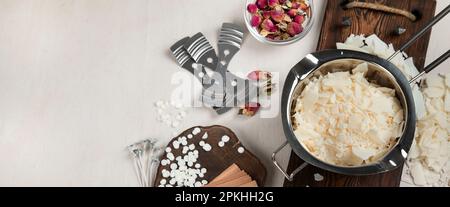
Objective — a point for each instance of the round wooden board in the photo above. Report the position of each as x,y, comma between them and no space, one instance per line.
219,158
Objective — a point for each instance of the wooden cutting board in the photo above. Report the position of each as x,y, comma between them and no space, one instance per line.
367,22
219,158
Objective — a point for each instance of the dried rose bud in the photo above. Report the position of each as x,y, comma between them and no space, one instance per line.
295,5
282,1
250,109
259,75
294,28
255,21
272,3
277,15
254,75
266,14
252,8
268,25
261,4
292,12
299,19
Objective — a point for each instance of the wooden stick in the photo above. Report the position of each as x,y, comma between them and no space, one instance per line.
379,7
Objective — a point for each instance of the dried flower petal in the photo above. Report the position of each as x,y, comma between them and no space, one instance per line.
303,6
250,109
252,8
289,4
265,33
287,18
282,26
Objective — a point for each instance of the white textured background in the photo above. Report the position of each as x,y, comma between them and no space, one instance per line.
78,79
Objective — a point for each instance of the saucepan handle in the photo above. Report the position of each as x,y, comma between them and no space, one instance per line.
427,27
290,177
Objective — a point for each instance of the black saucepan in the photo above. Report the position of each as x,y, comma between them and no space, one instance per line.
380,70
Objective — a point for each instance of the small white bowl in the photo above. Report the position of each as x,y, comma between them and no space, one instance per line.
307,25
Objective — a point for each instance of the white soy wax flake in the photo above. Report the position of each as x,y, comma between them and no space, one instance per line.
221,144
176,144
183,167
172,181
241,150
201,175
168,149
204,182
181,162
198,184
173,166
165,173
201,143
184,142
205,135
163,181
190,163
191,147
196,131
189,136
225,138
318,177
164,162
161,186
207,147
203,170
169,186
197,165
170,156
195,153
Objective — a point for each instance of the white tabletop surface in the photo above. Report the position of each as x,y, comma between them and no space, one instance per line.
78,82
